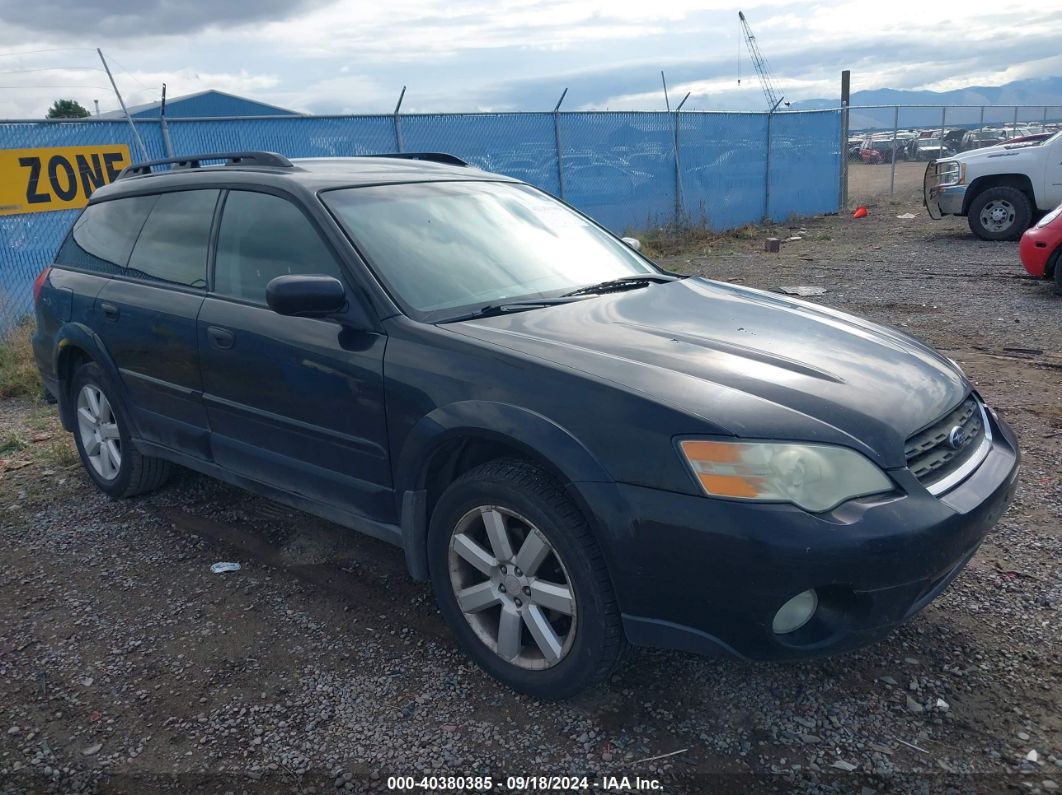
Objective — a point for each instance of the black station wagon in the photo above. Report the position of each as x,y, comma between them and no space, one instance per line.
578,449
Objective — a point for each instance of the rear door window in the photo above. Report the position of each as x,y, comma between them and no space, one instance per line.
174,241
103,235
261,237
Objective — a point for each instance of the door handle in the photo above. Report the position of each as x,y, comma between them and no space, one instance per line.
220,337
110,311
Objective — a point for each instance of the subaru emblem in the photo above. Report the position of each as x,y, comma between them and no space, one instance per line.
956,437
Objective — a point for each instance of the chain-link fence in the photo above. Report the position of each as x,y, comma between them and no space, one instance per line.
889,146
628,170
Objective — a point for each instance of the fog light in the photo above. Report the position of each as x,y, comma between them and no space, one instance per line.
795,613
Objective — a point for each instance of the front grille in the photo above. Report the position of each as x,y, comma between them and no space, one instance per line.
933,454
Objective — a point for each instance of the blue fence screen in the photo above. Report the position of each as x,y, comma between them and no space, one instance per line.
629,171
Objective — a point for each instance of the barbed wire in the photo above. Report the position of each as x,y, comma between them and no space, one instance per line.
125,70
58,85
16,53
53,69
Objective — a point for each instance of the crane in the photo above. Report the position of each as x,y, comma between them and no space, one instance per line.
766,80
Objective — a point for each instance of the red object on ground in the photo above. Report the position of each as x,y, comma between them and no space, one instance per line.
861,212
1041,246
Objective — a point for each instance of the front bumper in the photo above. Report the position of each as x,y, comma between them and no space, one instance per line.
708,575
1037,247
945,201
941,200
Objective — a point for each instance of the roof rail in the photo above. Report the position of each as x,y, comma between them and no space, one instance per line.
195,161
434,157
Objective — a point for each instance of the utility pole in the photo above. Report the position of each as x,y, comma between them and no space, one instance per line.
128,118
667,102
97,103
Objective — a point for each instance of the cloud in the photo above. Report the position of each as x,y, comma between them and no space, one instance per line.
799,73
335,56
146,18
88,84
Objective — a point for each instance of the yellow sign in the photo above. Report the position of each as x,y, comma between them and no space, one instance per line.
57,178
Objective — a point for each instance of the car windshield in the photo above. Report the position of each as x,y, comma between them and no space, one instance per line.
445,248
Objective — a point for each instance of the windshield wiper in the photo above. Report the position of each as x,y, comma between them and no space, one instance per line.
510,306
624,283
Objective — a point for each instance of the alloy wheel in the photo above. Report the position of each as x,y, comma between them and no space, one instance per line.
98,427
512,587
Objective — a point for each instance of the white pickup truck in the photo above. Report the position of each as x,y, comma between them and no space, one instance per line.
1000,189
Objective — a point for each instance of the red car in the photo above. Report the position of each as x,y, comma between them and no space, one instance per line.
1041,248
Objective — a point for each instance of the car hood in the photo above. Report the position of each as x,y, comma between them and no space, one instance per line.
751,363
1025,150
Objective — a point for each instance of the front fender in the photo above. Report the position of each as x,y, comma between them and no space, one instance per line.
534,434
503,422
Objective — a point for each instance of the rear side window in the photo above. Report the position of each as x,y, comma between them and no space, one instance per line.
104,234
173,243
262,237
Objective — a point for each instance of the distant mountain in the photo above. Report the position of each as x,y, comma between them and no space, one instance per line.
1040,92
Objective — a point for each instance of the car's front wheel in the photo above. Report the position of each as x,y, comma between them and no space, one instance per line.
101,432
1000,213
521,582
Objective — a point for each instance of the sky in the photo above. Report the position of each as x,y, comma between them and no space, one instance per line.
352,56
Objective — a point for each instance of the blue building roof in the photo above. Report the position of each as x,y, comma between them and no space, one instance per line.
204,104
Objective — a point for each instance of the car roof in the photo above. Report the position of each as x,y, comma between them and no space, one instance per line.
304,174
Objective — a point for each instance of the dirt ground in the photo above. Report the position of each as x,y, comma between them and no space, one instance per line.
870,182
127,666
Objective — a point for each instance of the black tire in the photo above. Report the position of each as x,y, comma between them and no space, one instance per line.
1010,201
1056,265
531,493
136,473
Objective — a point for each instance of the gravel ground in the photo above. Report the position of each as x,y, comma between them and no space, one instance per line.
127,666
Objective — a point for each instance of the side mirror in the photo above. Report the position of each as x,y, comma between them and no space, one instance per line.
633,242
306,295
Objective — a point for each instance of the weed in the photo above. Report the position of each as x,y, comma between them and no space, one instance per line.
12,442
18,370
60,452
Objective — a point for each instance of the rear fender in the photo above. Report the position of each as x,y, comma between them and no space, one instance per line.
73,337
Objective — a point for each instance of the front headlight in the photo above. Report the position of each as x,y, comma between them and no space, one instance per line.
950,173
1049,217
816,477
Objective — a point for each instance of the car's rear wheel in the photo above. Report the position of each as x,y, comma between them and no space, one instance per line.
1000,213
101,432
521,582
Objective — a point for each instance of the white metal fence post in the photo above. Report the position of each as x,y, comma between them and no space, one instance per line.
679,208
895,129
557,143
397,123
767,170
842,189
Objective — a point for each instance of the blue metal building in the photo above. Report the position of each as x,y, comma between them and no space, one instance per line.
203,104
